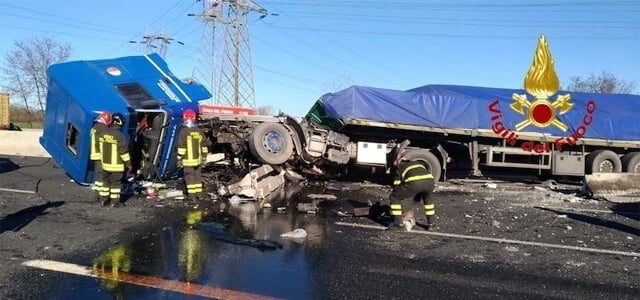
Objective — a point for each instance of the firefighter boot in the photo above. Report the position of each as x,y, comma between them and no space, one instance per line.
398,224
430,222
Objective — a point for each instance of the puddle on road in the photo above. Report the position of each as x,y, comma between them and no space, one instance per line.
184,253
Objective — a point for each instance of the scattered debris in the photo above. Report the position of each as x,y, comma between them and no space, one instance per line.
342,186
297,233
293,176
511,248
311,208
490,185
342,214
328,197
360,211
569,227
218,232
496,223
259,183
236,200
550,184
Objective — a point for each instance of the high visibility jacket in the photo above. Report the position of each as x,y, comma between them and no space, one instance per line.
192,146
114,151
410,172
95,133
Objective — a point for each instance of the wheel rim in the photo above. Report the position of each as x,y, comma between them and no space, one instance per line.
273,142
637,168
606,166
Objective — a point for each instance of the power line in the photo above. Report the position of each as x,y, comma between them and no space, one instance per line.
67,24
289,76
142,32
486,19
31,29
325,52
66,18
456,7
403,20
467,36
461,4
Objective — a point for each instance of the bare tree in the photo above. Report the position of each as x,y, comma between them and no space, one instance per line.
605,83
267,110
25,68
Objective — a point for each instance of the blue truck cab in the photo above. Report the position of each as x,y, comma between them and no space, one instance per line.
138,87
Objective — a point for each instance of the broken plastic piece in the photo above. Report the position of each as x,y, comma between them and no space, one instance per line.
297,233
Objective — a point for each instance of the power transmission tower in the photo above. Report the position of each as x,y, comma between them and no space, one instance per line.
230,73
156,43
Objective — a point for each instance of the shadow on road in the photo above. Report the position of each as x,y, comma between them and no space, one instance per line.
596,221
629,210
22,218
6,165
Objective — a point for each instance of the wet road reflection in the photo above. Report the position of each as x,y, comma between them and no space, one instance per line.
185,253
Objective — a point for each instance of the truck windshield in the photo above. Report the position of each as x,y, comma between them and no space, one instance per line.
134,93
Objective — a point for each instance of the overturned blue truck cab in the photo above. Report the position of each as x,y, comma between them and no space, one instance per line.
142,88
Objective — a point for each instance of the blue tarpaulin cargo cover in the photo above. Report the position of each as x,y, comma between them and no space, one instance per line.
616,116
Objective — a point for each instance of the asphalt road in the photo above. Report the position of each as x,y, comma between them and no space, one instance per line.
153,240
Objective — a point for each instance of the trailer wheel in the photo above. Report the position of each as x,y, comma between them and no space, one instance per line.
631,162
603,161
427,158
271,143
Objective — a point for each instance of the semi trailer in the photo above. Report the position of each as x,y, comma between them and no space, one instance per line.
449,127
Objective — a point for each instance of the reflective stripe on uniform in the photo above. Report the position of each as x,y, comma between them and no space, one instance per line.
103,193
430,212
115,191
419,177
396,182
396,206
114,196
205,150
396,213
125,157
182,151
429,206
413,167
95,151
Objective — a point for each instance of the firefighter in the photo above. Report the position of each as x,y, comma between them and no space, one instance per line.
114,159
192,151
100,124
413,187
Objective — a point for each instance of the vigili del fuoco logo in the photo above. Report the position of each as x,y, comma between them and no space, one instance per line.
542,83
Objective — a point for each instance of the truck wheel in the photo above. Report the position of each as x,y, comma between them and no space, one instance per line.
631,162
271,143
603,161
427,158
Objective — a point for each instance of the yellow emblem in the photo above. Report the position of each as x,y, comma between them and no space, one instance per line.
541,82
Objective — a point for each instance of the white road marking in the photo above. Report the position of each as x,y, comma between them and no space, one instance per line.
142,280
498,240
17,191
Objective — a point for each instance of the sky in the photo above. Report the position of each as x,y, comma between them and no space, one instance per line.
312,47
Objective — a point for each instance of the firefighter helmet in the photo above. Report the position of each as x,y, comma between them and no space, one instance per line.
189,115
117,119
104,117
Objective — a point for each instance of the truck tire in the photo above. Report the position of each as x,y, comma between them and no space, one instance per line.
603,161
428,159
631,162
271,143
